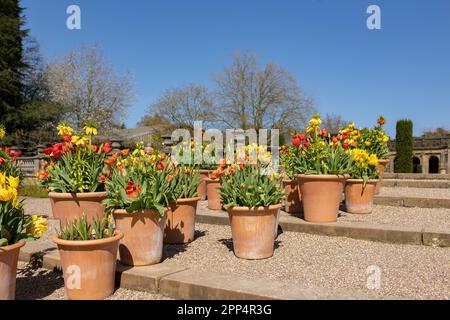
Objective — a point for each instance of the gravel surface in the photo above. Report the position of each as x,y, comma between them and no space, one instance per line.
437,219
407,271
34,283
432,193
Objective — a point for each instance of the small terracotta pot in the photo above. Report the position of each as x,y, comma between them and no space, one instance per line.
9,255
357,198
201,189
180,226
89,267
292,201
69,206
143,231
381,167
321,196
212,191
252,231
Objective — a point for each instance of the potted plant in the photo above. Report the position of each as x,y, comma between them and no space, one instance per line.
375,141
253,201
321,166
360,188
180,226
15,229
213,185
73,175
292,199
139,191
88,253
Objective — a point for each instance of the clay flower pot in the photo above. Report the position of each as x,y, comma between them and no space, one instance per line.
321,196
69,206
357,198
252,231
142,243
201,189
212,191
9,256
292,201
381,166
180,226
89,267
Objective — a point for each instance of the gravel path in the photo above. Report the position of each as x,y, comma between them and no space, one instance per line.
34,283
407,271
437,219
432,193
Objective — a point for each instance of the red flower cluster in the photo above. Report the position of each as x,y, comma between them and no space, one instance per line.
106,147
132,190
11,153
381,121
57,150
300,140
2,161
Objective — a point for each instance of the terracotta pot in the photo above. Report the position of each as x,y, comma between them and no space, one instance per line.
201,189
252,231
212,191
292,201
143,231
321,196
9,256
180,226
69,206
89,267
357,198
381,167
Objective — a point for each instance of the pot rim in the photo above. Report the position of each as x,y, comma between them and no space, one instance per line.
86,243
13,246
323,176
209,180
184,200
287,181
205,170
79,195
258,209
385,161
123,212
361,180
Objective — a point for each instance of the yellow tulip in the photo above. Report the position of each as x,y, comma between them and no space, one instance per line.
6,194
13,182
37,226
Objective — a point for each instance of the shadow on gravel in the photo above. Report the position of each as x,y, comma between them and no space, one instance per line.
171,250
35,283
229,244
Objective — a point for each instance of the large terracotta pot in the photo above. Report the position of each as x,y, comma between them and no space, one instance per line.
252,231
359,199
143,231
9,256
89,267
212,191
382,164
201,189
180,226
69,206
292,201
321,196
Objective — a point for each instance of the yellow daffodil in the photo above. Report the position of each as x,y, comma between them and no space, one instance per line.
13,182
37,226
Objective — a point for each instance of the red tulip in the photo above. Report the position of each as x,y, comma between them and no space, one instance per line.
2,161
296,142
306,144
345,145
132,190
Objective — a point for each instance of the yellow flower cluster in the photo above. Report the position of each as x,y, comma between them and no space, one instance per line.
37,226
363,159
314,124
2,132
8,188
90,130
64,130
80,141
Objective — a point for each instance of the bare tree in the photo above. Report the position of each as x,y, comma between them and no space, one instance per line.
182,106
334,123
89,88
254,97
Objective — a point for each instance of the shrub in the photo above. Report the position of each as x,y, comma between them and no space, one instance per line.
404,147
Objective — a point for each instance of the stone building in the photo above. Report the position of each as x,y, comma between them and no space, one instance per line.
430,155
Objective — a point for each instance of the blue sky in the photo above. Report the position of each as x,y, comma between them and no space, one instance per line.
400,71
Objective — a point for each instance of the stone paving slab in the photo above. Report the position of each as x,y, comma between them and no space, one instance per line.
404,183
423,176
177,282
357,230
412,202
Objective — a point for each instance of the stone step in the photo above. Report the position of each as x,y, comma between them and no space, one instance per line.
415,176
404,183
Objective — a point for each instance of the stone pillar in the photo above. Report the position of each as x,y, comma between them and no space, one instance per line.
425,163
443,163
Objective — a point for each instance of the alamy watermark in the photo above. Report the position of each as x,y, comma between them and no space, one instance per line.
73,22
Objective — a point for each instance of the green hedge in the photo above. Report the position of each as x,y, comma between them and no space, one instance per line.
404,147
